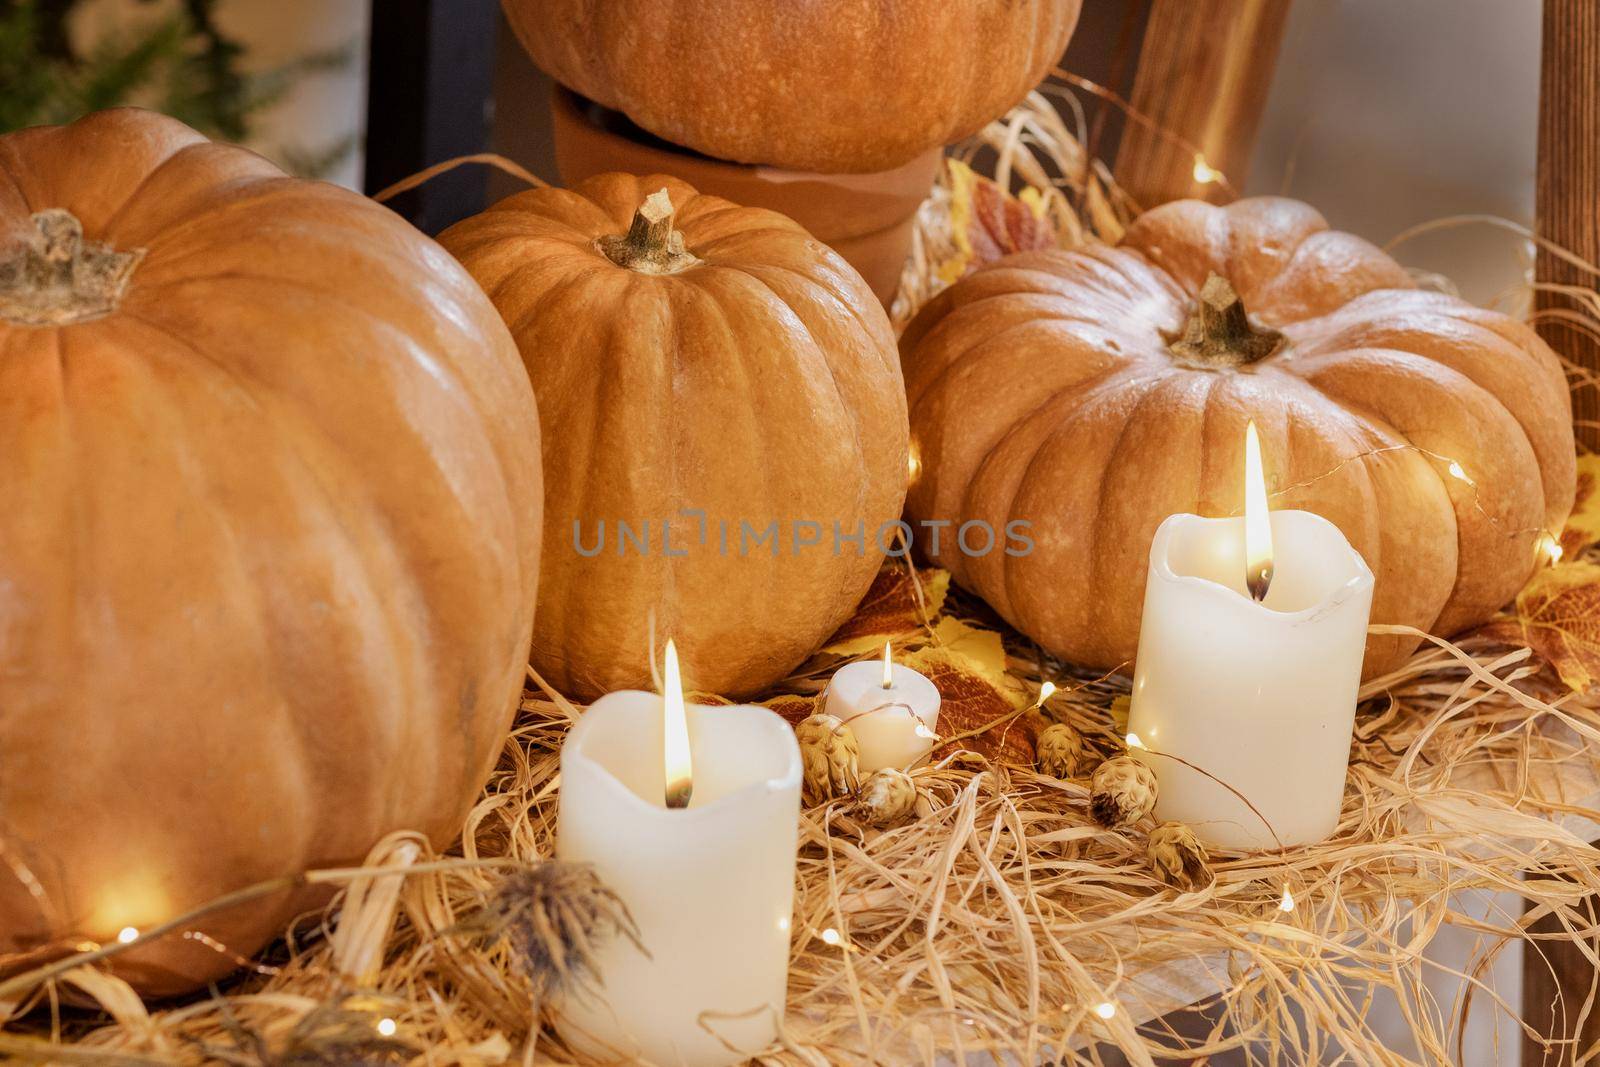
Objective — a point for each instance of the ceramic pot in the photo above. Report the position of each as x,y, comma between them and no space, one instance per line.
866,218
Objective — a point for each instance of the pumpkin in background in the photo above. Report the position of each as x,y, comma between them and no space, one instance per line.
825,85
707,366
1097,391
269,538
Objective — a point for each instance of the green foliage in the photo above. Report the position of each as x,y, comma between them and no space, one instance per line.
181,64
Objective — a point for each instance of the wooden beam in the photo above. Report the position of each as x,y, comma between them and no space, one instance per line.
1567,201
431,68
1204,70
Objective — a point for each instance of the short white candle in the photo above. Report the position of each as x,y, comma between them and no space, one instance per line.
892,709
710,886
1260,696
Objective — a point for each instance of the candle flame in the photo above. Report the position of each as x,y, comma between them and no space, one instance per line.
680,769
888,668
1257,518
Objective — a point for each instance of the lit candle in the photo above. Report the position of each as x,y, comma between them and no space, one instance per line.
892,710
1250,650
691,816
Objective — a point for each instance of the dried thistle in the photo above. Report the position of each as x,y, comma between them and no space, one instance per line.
828,752
553,916
353,1030
1061,753
887,796
1122,792
1178,856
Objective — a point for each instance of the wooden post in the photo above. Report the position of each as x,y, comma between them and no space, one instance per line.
430,69
1204,71
1567,202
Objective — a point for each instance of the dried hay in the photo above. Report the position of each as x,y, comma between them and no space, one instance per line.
1000,918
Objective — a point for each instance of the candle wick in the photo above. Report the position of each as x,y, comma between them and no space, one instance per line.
1258,580
678,794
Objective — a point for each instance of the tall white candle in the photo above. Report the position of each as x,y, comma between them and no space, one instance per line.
892,710
711,886
1261,696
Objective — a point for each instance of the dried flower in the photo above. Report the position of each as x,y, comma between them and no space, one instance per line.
1122,792
553,916
1178,856
348,1031
887,796
828,752
1060,752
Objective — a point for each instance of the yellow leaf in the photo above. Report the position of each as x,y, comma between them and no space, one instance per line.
988,223
895,608
1583,525
967,666
1558,616
983,650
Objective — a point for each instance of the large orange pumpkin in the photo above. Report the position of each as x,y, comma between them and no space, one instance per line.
1092,393
269,537
824,85
709,375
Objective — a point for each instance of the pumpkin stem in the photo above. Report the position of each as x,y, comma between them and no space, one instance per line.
651,245
1219,333
53,277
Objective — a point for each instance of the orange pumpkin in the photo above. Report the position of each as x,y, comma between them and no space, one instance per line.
1092,393
825,85
269,538
708,375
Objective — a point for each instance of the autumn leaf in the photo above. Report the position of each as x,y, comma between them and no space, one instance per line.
1558,616
1583,525
793,709
976,694
893,609
987,222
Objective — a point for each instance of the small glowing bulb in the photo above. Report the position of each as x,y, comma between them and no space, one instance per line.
831,936
1552,547
1457,473
913,464
888,667
1046,691
1204,173
1134,741
1287,903
1105,1009
127,935
923,732
386,1027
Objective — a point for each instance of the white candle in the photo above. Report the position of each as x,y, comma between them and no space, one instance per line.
1258,695
892,710
711,886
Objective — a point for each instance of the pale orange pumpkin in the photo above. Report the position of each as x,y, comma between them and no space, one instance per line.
269,538
706,373
1092,393
824,85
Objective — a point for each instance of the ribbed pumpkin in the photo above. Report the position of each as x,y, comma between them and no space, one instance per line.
824,85
709,367
269,538
1094,392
